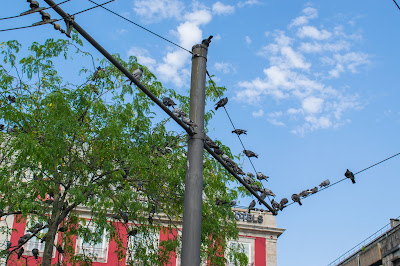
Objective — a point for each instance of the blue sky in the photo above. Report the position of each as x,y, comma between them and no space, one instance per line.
314,83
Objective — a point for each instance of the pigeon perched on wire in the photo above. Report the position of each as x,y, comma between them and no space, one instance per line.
282,203
350,175
168,102
178,112
250,153
313,190
248,180
268,192
35,253
137,74
12,99
20,252
188,122
261,176
325,183
238,170
275,204
304,193
263,195
239,131
296,198
207,41
221,103
252,205
250,175
218,151
255,187
210,143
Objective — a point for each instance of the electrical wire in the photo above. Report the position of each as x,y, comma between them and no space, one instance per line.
33,13
347,178
230,119
165,39
30,26
396,4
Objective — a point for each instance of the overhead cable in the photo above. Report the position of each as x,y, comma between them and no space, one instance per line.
165,39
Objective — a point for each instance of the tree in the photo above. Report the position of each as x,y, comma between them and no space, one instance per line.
99,145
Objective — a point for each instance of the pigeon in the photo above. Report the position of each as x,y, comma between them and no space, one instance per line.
240,131
168,102
35,253
9,244
20,252
210,143
275,204
250,153
220,202
263,195
35,227
233,203
304,193
325,183
238,170
12,99
248,180
2,127
252,205
218,151
225,157
137,74
255,188
125,217
261,176
207,42
296,198
250,175
221,103
188,122
268,192
132,232
60,249
178,112
350,175
313,190
282,203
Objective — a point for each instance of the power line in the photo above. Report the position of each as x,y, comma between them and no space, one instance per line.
30,26
396,4
21,15
354,174
165,39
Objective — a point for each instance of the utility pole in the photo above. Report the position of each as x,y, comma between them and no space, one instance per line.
192,206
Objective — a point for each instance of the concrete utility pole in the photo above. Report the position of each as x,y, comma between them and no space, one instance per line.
191,230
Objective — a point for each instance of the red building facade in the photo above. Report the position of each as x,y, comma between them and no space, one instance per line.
258,235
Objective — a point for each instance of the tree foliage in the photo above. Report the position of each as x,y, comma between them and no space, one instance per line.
95,143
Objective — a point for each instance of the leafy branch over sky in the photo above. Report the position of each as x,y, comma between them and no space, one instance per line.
95,142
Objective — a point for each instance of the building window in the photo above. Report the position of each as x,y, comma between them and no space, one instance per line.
97,251
141,245
36,242
245,246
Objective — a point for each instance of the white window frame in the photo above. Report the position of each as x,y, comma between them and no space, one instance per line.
139,237
90,250
35,242
245,241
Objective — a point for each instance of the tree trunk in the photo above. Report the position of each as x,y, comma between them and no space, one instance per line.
48,248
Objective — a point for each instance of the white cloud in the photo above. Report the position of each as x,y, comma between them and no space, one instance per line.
258,113
221,9
313,33
174,66
248,40
143,57
224,67
295,76
248,3
157,10
309,13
